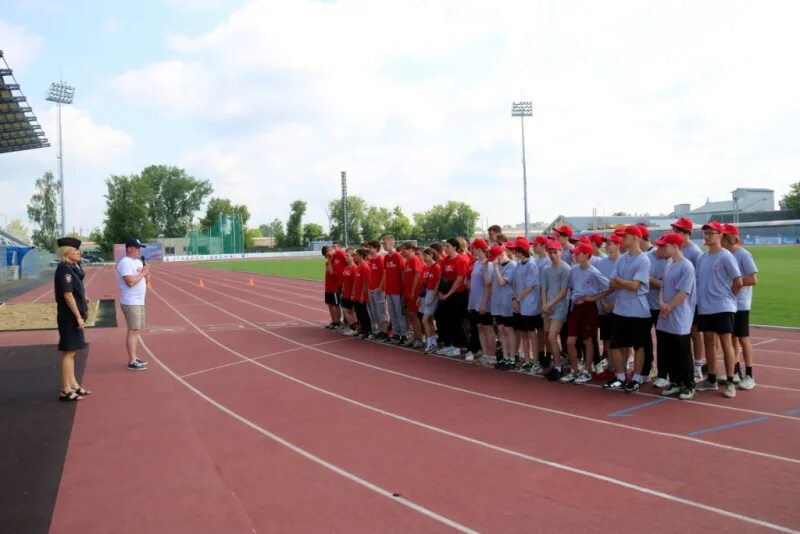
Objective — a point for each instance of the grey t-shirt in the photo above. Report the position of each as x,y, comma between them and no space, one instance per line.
477,287
679,277
632,303
502,295
527,275
657,266
586,282
744,299
691,252
556,278
606,267
715,275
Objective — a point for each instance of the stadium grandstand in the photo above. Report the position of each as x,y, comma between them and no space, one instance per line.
19,128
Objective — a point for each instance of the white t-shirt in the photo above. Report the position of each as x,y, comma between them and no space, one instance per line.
131,295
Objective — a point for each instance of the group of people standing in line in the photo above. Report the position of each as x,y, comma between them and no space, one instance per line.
548,306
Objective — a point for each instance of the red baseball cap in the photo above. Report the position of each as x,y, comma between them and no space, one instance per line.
684,223
597,239
670,238
730,229
614,238
633,230
494,252
541,240
583,248
619,230
554,245
564,229
645,231
523,243
714,225
479,243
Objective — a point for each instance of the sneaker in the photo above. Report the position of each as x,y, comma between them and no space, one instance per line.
730,391
632,386
380,336
350,333
365,335
554,374
400,340
136,366
615,384
583,378
487,361
747,383
141,361
430,349
706,385
525,367
536,368
737,379
671,391
331,326
698,375
511,365
454,352
600,366
567,378
688,394
417,344
469,357
444,351
661,383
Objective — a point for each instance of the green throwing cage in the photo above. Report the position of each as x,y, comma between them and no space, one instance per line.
225,237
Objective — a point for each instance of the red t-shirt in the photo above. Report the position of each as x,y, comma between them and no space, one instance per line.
339,264
455,267
394,264
413,266
360,275
347,280
331,280
376,265
432,274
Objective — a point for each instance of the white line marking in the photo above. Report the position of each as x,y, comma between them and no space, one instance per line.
763,342
589,474
316,459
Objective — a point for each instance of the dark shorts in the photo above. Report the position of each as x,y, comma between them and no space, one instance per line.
583,321
719,323
528,323
655,314
331,298
629,332
69,337
696,315
482,319
347,304
503,321
604,321
741,323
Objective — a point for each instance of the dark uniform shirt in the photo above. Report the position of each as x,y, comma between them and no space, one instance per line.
68,279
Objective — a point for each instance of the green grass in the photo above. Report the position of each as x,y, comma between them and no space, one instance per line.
776,298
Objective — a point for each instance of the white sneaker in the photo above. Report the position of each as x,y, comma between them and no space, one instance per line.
688,394
736,378
444,351
350,333
536,368
698,374
469,357
600,366
730,391
747,383
583,378
707,385
454,351
487,360
568,378
661,383
674,389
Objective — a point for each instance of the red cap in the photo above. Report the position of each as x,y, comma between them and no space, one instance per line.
583,248
511,245
597,239
684,224
581,239
670,238
619,231
730,229
479,243
645,231
541,240
614,238
714,225
523,243
633,230
494,252
554,245
564,229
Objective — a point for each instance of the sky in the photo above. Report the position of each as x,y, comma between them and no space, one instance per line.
637,106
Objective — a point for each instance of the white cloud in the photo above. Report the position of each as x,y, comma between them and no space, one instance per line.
637,106
19,45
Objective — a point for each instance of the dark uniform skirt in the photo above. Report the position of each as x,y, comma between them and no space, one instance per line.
69,336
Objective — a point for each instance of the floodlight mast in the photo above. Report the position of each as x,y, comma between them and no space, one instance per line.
61,93
522,110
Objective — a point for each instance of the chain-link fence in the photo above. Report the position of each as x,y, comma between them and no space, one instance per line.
224,237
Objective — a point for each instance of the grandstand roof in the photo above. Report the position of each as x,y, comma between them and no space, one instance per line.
19,129
8,240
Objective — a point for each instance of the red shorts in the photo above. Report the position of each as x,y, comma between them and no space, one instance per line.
582,321
411,304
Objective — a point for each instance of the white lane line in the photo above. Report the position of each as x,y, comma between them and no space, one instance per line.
316,459
770,340
698,403
556,465
87,284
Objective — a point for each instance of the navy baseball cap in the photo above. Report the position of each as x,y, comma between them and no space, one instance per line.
134,243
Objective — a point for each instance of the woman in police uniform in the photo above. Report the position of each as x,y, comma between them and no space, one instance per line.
72,312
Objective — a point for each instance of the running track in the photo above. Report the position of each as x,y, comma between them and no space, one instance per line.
253,418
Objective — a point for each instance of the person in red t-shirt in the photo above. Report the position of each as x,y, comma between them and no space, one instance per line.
430,297
453,299
348,306
360,295
377,297
339,264
331,290
412,282
394,263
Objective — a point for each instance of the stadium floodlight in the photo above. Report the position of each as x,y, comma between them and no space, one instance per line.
522,110
61,93
344,206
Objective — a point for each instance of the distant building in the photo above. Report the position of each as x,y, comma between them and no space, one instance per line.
581,223
743,200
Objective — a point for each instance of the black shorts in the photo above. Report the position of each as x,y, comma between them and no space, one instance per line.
604,321
482,319
719,323
741,323
629,332
69,337
696,315
503,321
332,298
528,323
347,304
655,314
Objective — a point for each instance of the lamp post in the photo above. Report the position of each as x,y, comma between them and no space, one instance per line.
61,93
522,110
344,205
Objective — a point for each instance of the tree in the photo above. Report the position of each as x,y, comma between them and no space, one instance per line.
175,198
455,219
250,238
218,207
127,214
312,232
374,223
356,209
294,226
792,199
18,230
276,232
620,214
399,226
42,212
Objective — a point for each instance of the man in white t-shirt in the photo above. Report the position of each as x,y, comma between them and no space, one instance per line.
133,276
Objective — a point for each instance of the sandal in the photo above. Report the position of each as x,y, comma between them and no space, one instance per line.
80,391
69,397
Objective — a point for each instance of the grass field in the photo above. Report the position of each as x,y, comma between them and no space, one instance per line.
776,298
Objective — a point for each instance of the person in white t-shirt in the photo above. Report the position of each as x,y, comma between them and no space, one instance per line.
133,276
